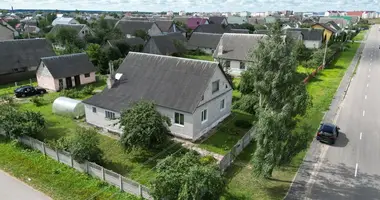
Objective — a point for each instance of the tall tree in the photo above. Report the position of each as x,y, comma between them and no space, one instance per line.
94,53
278,95
143,126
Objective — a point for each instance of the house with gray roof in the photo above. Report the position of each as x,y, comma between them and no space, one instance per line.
129,27
169,44
212,28
205,42
341,22
81,29
167,26
221,20
20,58
234,49
312,38
66,71
6,33
64,20
237,20
195,94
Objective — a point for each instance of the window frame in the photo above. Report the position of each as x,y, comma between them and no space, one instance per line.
87,75
242,64
109,115
212,86
179,119
224,104
94,110
204,115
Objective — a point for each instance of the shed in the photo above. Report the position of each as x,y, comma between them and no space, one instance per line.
70,107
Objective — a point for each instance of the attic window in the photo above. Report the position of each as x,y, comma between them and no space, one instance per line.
215,86
203,97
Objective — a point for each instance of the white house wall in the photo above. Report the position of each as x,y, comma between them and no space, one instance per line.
223,82
185,131
312,44
99,119
235,68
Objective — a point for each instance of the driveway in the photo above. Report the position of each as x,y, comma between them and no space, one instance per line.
14,189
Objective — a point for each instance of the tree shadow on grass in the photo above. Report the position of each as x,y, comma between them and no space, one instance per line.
315,79
242,161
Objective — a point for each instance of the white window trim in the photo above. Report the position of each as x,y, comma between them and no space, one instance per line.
105,115
180,125
224,104
206,116
94,110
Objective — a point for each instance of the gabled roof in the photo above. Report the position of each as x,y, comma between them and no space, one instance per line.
62,20
211,28
333,25
23,53
294,34
164,25
167,44
6,33
170,82
194,22
339,21
217,19
237,46
68,65
76,27
326,26
309,33
235,30
204,40
355,13
131,26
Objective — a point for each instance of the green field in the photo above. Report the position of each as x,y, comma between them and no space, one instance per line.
242,184
203,57
52,178
360,36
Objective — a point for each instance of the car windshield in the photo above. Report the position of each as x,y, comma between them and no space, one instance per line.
327,129
19,89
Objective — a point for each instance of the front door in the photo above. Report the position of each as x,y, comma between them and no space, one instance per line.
77,80
69,83
60,84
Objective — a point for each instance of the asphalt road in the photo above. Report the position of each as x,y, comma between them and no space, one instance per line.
14,189
350,169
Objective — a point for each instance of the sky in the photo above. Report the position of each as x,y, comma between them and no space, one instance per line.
194,5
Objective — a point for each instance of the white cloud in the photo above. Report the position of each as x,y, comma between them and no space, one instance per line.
193,5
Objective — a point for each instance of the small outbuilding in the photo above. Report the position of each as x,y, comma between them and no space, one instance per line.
69,107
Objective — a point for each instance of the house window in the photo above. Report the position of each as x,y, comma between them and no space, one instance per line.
215,86
110,115
203,97
227,64
179,119
82,32
87,75
94,109
242,65
204,115
222,104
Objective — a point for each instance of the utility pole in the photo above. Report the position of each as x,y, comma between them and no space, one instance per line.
324,55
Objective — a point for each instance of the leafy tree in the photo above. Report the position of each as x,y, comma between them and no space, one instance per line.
123,47
94,52
143,126
302,53
317,58
187,177
13,22
84,145
117,63
17,123
273,82
81,20
141,34
137,48
260,27
248,26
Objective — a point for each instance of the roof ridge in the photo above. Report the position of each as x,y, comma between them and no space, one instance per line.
204,33
171,57
19,40
63,56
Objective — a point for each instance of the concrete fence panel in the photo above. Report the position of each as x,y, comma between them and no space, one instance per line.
65,158
95,170
51,153
145,193
79,166
38,145
112,177
131,187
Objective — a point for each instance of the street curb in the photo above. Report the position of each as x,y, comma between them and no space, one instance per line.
349,72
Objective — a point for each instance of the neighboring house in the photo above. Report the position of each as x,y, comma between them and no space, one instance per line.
81,29
169,44
66,71
194,22
135,44
295,35
312,38
196,95
341,22
221,20
234,49
129,27
212,28
335,26
167,26
20,58
6,33
31,27
205,42
328,31
270,19
64,20
237,20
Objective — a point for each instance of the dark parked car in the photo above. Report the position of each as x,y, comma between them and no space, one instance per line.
328,133
28,90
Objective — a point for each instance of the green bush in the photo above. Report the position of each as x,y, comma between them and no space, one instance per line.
242,124
205,160
37,101
73,93
88,90
7,99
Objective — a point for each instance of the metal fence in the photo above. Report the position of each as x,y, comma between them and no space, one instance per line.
125,184
230,157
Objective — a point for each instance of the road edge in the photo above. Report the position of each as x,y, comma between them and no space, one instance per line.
329,116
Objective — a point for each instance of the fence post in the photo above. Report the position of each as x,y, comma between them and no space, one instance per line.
121,182
72,161
103,174
140,191
57,153
44,149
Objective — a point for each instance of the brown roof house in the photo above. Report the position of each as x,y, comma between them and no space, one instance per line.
65,71
20,58
195,94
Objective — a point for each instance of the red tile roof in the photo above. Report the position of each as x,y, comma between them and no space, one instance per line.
355,13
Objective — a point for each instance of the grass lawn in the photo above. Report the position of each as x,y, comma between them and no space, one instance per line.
360,36
204,57
8,89
242,184
227,134
304,70
52,178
